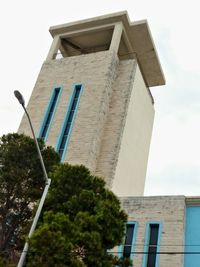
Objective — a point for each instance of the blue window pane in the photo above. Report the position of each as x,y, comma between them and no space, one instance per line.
49,114
69,119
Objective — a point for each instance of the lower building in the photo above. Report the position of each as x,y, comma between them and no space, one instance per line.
162,231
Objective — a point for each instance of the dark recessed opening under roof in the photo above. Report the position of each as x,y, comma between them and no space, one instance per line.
137,39
86,43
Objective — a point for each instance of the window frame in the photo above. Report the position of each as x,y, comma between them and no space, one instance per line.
47,111
147,239
121,247
66,117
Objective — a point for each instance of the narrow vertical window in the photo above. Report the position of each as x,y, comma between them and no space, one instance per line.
128,240
152,245
153,242
127,249
68,122
49,113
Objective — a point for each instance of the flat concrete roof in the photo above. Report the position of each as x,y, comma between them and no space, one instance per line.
137,33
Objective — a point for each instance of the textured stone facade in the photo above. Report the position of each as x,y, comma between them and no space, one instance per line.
114,127
169,211
96,72
99,125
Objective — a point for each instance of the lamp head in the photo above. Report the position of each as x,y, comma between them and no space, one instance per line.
20,98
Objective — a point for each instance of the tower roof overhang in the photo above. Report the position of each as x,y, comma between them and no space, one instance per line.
136,35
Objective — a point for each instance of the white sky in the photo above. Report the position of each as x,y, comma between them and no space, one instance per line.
174,166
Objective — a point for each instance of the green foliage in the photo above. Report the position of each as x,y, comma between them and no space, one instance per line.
81,222
21,185
82,219
124,262
53,241
6,262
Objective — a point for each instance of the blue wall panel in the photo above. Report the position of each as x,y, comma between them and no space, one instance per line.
192,237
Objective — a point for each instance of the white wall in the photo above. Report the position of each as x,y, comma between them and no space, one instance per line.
132,162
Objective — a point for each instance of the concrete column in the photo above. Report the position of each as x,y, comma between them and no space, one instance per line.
54,48
116,37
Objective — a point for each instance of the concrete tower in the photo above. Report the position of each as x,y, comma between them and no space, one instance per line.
92,100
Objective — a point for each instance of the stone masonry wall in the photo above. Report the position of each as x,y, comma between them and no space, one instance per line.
170,212
102,112
113,131
96,72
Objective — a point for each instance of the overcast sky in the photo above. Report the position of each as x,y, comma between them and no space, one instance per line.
174,166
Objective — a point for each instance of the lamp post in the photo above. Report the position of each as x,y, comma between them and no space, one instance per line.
47,183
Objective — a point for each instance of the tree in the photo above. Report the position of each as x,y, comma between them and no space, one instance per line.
82,221
21,185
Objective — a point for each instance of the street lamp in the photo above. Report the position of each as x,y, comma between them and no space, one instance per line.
47,183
